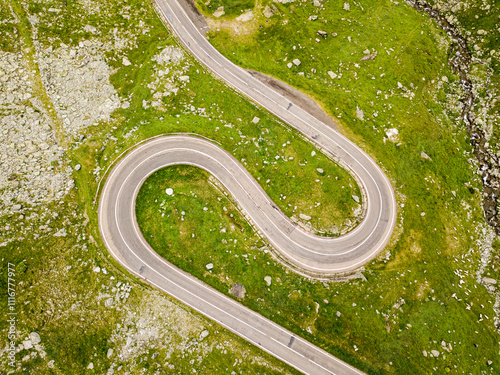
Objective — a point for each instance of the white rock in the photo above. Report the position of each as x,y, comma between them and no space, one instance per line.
289,65
313,153
392,134
435,353
35,338
338,314
255,120
268,11
169,191
360,114
209,266
268,280
296,62
90,366
61,233
27,344
219,12
332,74
423,155
355,198
184,78
489,280
320,170
204,334
424,353
347,6
97,269
304,217
247,16
78,167
126,61
110,352
16,208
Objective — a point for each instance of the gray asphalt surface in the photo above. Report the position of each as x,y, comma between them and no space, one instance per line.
314,255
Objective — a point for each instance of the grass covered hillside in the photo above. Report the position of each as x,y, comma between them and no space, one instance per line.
83,81
430,303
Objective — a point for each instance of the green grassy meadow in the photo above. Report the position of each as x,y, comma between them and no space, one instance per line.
420,295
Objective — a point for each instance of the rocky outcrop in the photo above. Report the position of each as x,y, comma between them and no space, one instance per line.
77,82
31,160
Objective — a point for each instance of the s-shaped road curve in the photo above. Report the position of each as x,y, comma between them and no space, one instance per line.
314,255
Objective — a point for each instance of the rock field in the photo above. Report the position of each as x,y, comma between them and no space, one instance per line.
77,82
31,160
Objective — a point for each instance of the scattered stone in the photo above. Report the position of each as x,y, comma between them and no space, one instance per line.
360,114
316,3
90,366
289,65
209,266
392,134
204,334
169,191
338,314
169,55
110,352
61,233
322,33
347,6
423,155
126,61
219,12
332,74
371,56
424,353
35,338
97,269
489,280
435,353
184,78
16,208
296,62
313,153
355,198
78,84
268,280
490,362
27,344
108,302
245,17
320,170
78,167
238,290
305,217
255,120
269,11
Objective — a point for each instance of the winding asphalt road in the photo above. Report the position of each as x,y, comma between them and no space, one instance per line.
316,256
